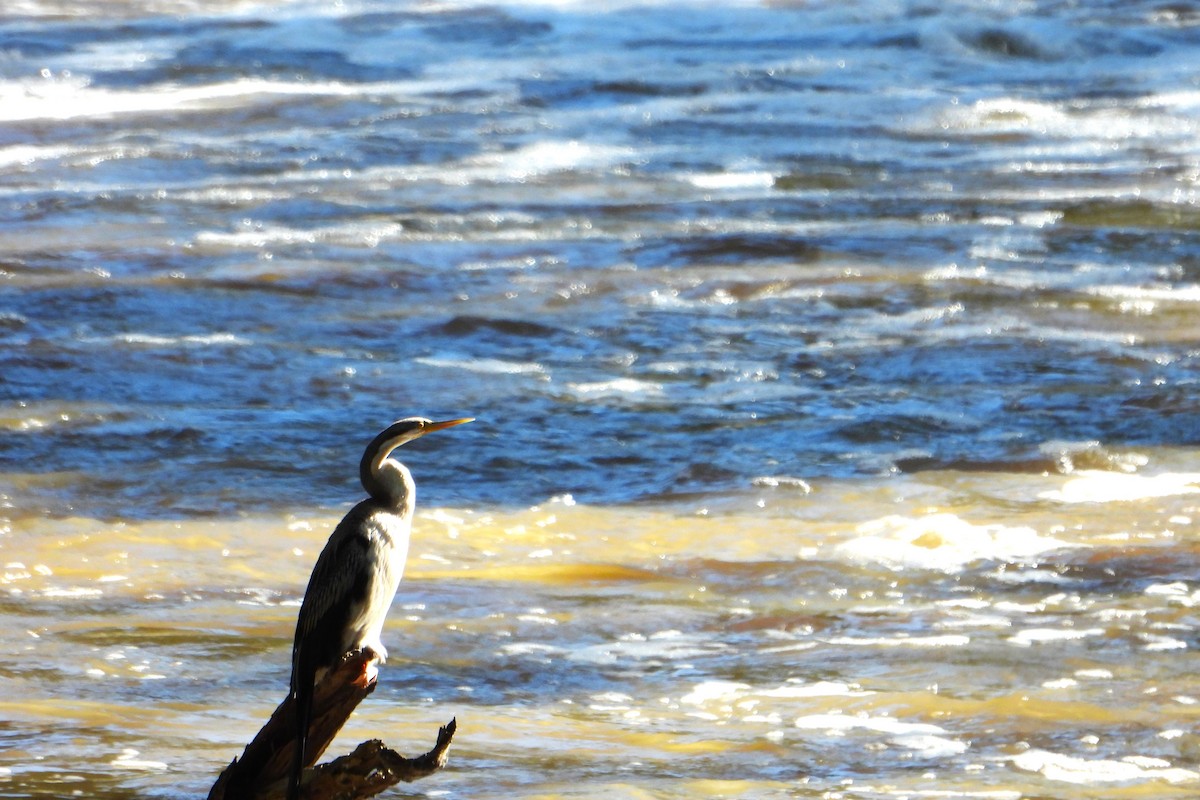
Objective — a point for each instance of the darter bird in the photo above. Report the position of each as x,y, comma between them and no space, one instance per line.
356,576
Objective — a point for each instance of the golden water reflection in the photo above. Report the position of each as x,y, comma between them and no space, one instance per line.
940,634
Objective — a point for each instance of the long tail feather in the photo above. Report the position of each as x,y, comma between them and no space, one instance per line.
304,701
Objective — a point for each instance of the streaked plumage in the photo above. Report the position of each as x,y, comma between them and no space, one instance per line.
357,574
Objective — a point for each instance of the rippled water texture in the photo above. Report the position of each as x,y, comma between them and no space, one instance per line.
835,365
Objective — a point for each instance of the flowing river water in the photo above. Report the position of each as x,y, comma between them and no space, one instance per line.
836,367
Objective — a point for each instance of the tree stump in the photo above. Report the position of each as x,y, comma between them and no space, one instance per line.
261,772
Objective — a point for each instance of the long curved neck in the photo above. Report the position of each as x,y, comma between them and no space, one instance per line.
387,480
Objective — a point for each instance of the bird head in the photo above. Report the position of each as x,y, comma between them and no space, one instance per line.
405,430
386,479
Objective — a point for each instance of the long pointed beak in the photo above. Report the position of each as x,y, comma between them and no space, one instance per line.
430,427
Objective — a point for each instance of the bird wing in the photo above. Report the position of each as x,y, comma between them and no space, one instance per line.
338,582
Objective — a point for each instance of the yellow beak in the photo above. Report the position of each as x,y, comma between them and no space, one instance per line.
430,427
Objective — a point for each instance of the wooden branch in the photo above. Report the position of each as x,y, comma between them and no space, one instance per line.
370,769
261,772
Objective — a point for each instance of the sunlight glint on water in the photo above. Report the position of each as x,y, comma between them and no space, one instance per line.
835,368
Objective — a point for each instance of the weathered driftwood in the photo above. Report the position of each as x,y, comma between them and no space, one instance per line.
261,772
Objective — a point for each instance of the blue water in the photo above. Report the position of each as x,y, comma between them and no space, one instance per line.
658,250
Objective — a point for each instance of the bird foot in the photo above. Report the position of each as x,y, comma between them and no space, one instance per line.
370,672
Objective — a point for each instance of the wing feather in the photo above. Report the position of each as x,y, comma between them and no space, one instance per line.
339,581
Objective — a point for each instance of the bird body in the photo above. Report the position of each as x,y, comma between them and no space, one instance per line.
387,537
351,588
356,576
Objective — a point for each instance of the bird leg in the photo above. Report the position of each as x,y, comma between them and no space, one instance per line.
370,666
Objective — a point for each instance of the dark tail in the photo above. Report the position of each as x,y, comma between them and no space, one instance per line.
304,701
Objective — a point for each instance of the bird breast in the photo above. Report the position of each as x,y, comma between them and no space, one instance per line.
388,535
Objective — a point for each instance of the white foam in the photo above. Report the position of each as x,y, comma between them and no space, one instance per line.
710,691
492,366
906,321
1181,294
530,649
545,157
1087,129
926,739
1098,486
618,387
255,235
75,99
587,8
191,340
522,164
953,272
129,760
786,481
975,621
1185,100
1032,636
985,794
945,640
1176,594
1156,641
847,722
1069,769
71,593
668,645
929,746
26,154
818,689
732,180
941,541
1094,674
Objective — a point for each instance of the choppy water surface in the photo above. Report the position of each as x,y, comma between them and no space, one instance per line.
836,367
